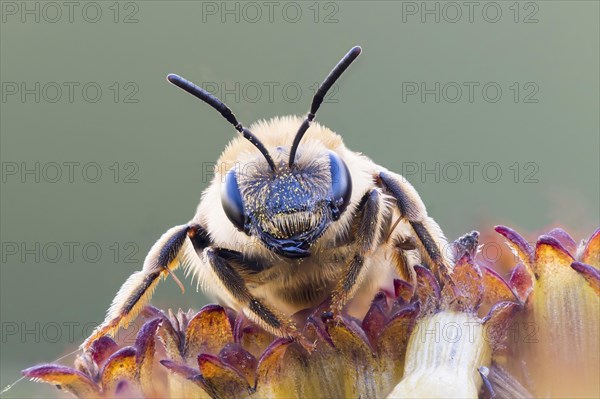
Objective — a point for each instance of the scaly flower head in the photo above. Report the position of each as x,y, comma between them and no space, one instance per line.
447,336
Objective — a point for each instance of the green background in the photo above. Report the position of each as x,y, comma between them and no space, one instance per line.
171,138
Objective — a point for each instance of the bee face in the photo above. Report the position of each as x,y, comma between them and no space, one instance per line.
290,207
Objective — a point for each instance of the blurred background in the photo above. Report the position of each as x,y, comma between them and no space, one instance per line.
490,109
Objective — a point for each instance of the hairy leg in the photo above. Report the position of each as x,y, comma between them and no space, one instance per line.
369,224
430,238
173,249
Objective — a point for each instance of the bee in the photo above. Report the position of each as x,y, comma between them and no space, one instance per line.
291,218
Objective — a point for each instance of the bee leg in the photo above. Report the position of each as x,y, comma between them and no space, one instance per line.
235,286
431,241
368,234
166,255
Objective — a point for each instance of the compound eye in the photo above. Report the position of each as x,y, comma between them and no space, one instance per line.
341,183
232,202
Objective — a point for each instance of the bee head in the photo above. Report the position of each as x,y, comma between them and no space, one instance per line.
290,207
287,205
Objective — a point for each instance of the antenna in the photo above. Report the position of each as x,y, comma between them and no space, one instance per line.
223,109
333,76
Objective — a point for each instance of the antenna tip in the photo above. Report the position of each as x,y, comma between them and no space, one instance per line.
173,78
356,50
